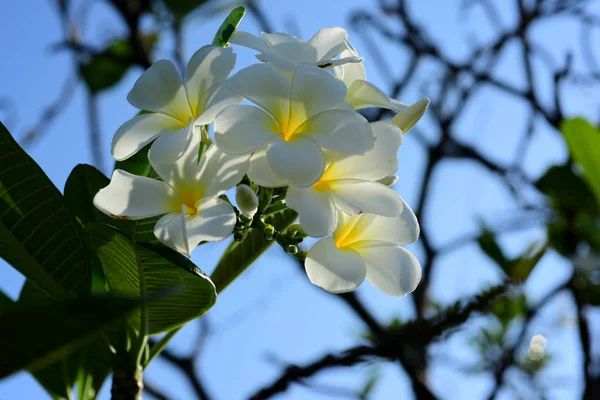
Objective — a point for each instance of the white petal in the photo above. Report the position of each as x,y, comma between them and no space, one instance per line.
281,63
262,173
314,90
214,221
171,146
264,86
209,66
134,197
362,94
317,213
395,230
139,131
239,129
377,163
391,269
180,173
342,131
170,230
327,43
407,117
300,161
220,172
219,98
284,45
160,89
337,62
356,196
352,71
335,270
249,40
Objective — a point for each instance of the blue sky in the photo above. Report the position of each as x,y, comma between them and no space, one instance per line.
273,311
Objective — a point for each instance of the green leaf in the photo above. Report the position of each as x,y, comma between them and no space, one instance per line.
584,142
138,163
487,243
519,269
38,235
64,325
5,301
568,191
133,270
106,68
239,255
228,27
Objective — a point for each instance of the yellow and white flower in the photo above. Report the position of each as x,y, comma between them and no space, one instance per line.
349,185
367,246
176,104
296,121
187,196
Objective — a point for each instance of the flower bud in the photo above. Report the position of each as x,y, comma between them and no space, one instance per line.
291,249
246,200
269,231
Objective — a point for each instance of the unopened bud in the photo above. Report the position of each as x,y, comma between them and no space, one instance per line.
389,180
291,249
246,200
269,231
296,231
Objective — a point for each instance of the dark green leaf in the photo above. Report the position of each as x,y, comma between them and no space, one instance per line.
38,235
506,309
584,143
137,164
181,8
487,243
64,325
5,301
519,269
568,191
106,68
133,270
239,255
228,27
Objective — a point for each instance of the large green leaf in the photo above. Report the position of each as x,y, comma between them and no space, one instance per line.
106,68
239,255
568,191
133,269
584,142
228,27
38,235
181,8
5,301
33,336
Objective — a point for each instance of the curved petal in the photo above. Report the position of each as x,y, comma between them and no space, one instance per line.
391,269
219,98
317,213
219,172
160,89
284,45
180,173
129,196
407,117
355,196
324,64
213,222
342,131
171,146
352,71
335,270
313,90
300,161
281,63
262,173
249,40
362,94
239,129
396,230
328,43
377,163
209,66
264,86
170,230
134,134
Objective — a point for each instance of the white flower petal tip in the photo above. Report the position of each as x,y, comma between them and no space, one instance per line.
246,200
407,117
371,242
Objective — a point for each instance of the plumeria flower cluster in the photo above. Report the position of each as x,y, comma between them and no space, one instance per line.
288,123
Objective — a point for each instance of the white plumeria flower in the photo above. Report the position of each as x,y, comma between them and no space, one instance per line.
296,121
367,246
285,52
177,105
348,184
187,195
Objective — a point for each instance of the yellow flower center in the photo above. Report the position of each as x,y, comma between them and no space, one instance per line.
345,235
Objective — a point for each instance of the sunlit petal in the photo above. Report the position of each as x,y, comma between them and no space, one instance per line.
315,209
300,161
